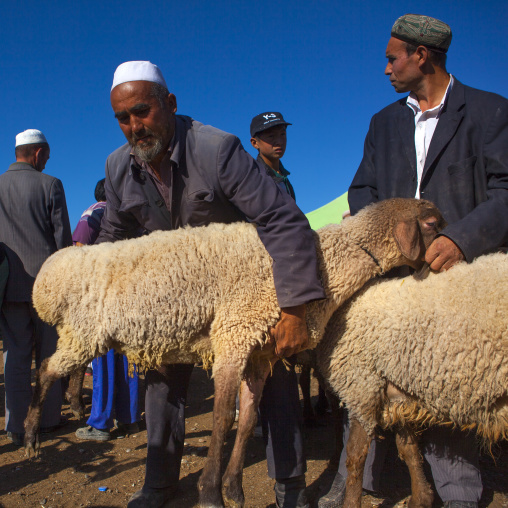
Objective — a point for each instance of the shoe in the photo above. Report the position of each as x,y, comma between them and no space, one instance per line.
128,428
461,504
336,494
62,423
92,434
16,438
153,498
290,493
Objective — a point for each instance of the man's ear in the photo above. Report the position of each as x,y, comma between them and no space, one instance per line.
423,55
171,102
254,143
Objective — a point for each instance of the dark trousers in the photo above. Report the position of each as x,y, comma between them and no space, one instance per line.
166,393
282,422
22,331
451,454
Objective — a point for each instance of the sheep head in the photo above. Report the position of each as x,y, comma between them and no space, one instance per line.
397,231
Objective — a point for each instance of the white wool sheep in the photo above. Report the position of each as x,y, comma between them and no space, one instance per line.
208,294
410,354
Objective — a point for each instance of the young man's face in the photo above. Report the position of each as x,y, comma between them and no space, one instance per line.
271,143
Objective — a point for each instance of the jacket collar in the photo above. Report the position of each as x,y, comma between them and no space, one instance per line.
15,166
449,121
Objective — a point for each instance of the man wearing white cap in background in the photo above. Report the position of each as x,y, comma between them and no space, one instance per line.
33,225
173,172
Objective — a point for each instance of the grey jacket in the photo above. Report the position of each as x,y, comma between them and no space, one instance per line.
34,224
214,180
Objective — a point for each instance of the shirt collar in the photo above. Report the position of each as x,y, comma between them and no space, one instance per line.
283,172
412,99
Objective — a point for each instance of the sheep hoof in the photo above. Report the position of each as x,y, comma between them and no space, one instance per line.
212,500
233,494
32,445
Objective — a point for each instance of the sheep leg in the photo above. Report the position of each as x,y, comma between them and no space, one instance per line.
227,382
357,448
74,393
251,390
409,451
43,382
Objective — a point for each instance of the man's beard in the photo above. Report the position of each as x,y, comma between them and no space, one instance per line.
150,152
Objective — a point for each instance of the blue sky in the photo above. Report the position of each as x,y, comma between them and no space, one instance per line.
320,63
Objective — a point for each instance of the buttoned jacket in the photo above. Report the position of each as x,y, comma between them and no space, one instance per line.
214,180
465,173
34,224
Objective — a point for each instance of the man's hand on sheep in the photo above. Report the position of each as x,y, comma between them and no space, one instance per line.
290,333
443,254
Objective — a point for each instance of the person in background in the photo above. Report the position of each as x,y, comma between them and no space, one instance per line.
448,143
113,388
280,409
34,224
176,172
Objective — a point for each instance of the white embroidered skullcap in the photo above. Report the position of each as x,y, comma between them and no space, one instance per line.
30,137
138,71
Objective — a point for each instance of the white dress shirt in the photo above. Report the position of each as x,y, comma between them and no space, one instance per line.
425,125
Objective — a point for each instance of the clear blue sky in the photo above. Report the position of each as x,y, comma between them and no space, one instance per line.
320,63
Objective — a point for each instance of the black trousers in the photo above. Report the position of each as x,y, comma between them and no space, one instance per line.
166,393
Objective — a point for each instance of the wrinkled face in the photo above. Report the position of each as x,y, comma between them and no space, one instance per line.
272,142
146,121
403,70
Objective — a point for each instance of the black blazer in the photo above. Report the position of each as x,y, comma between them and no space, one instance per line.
466,170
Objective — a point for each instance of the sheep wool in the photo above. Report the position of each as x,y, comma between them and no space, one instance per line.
442,343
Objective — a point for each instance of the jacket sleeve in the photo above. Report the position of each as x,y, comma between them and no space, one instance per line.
485,228
282,227
59,216
115,225
363,189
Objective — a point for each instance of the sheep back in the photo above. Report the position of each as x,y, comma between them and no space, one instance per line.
443,341
159,298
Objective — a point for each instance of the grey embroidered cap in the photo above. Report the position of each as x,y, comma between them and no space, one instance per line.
423,31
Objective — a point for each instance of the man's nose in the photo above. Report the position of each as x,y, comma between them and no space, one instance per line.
388,69
136,124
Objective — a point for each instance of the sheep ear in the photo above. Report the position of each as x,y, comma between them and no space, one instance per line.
407,236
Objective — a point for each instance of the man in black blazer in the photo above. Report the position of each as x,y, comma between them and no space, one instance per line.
448,143
33,225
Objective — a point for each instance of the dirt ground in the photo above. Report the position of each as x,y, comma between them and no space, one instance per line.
71,472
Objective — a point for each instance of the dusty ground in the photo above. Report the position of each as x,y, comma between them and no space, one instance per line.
70,471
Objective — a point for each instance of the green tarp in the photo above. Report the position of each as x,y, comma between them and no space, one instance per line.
329,214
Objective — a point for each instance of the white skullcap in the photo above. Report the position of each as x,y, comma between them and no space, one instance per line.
30,137
138,71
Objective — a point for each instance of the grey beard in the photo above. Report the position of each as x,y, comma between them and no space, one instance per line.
150,153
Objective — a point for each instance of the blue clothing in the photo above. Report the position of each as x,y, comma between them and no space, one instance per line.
110,372
113,388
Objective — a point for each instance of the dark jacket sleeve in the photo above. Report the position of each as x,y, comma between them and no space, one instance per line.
485,228
363,189
59,216
115,224
282,227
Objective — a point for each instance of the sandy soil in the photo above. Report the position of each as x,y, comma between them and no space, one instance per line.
70,472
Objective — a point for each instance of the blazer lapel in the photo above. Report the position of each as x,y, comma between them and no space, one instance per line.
406,126
448,123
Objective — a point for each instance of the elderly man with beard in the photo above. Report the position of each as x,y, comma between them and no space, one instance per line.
173,172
